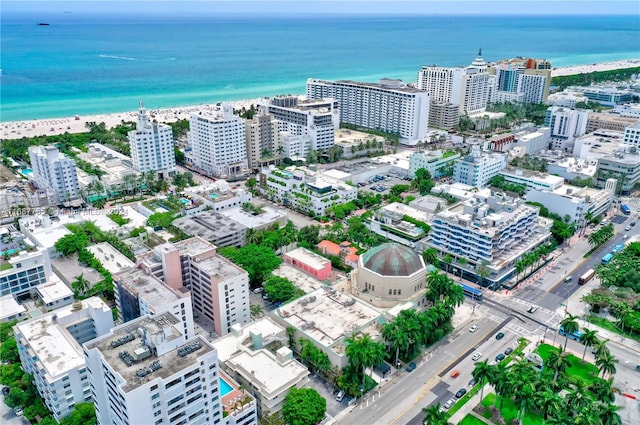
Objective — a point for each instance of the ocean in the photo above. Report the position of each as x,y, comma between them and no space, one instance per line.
101,65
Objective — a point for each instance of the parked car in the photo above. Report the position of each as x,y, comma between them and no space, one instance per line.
473,328
508,351
411,367
633,223
265,296
499,335
340,396
5,391
258,290
472,382
627,228
18,410
476,356
532,309
500,357
461,392
449,403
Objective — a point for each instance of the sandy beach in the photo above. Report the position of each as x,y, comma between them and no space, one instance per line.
77,124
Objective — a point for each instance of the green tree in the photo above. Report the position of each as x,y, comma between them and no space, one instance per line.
163,219
80,285
273,419
606,364
303,406
82,414
482,374
310,235
430,256
434,416
589,338
9,351
570,325
363,352
280,289
258,261
557,362
256,310
71,243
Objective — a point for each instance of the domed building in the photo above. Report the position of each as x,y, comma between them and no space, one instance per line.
388,274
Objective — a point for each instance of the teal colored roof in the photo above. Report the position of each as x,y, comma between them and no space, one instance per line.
392,259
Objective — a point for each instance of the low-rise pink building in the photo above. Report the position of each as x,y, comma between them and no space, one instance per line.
309,262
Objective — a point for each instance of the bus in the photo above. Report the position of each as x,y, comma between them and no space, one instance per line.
473,293
606,258
586,277
574,336
625,209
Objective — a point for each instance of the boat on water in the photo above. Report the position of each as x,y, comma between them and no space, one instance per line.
43,24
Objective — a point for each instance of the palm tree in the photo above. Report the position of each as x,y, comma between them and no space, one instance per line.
364,352
570,325
482,374
607,364
580,400
256,310
80,284
620,310
608,414
601,349
448,259
524,400
434,416
395,337
430,256
463,262
603,389
558,362
588,338
547,401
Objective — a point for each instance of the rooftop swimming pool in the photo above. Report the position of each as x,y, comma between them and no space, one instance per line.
225,388
213,196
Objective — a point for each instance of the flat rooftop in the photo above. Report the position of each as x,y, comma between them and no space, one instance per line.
309,258
192,246
9,307
112,259
251,221
147,287
233,342
327,315
170,362
399,209
265,370
56,349
54,290
299,278
209,225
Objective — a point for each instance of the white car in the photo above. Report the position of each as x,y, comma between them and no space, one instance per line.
340,396
476,356
627,228
449,403
473,328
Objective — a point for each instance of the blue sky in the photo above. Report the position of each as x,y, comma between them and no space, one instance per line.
261,7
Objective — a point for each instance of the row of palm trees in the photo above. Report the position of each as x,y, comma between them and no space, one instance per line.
600,236
532,259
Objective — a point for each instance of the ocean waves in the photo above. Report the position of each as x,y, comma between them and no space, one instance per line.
126,58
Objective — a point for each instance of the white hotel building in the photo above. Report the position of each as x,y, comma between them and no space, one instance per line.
144,372
152,147
478,168
50,348
304,190
389,106
531,179
217,143
53,169
489,232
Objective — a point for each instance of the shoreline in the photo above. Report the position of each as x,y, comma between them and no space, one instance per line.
12,130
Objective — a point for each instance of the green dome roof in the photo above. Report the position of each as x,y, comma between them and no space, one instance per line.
390,259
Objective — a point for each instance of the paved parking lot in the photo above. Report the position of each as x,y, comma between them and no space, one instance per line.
7,417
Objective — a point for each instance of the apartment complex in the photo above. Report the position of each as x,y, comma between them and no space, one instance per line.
624,166
152,147
263,139
608,122
250,355
219,289
50,348
632,135
302,189
574,202
435,162
478,168
147,372
531,179
566,125
138,293
21,274
315,118
53,169
217,143
491,233
514,82
389,106
604,95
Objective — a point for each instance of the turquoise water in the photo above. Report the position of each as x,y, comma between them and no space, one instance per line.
213,196
85,65
225,388
184,201
26,171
